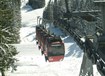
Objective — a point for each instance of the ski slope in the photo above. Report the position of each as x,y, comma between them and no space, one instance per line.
32,63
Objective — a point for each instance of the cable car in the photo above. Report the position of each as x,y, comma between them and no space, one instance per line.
51,46
46,35
38,30
54,49
39,35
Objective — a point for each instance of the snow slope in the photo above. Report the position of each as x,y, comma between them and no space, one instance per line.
31,62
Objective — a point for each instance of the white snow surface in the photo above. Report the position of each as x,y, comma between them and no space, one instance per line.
32,63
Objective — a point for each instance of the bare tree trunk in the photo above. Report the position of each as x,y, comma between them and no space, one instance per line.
86,67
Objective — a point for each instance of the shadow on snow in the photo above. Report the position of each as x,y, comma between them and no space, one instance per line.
68,39
74,50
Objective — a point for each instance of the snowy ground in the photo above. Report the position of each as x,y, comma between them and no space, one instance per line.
32,63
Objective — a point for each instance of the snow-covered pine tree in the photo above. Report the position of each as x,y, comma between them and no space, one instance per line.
48,12
7,60
10,19
9,33
58,11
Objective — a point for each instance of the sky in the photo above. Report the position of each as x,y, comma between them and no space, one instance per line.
31,62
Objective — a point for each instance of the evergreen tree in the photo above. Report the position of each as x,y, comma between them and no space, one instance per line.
58,9
10,17
35,4
48,12
10,21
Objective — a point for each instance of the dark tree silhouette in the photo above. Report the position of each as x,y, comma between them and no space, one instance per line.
35,4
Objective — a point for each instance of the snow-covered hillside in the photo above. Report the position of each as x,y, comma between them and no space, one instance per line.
31,62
